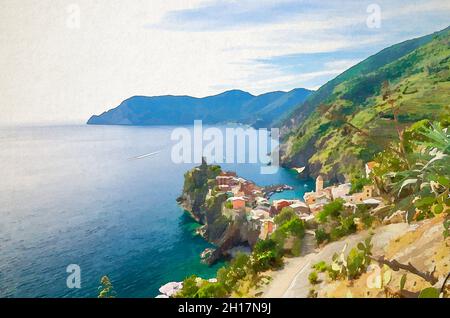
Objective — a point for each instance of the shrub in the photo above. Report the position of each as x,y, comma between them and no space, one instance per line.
313,278
348,225
294,227
321,267
212,290
322,236
279,237
266,254
358,184
264,246
236,270
336,233
354,264
285,215
332,209
362,212
189,289
297,247
312,293
266,260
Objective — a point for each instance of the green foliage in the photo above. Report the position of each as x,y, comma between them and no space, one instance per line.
446,228
289,226
212,290
346,226
354,264
229,205
196,184
267,254
106,290
363,213
358,184
421,185
267,260
402,282
236,270
297,247
195,287
429,292
332,209
321,267
189,289
285,215
313,278
355,260
321,236
294,227
264,245
334,223
279,237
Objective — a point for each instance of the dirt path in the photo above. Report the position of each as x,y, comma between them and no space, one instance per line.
292,280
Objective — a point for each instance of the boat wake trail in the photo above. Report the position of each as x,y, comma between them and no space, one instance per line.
146,155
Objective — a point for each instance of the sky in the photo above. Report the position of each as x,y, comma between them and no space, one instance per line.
62,61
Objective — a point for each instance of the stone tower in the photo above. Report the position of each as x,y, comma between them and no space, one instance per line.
319,184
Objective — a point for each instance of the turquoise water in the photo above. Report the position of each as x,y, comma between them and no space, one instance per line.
75,195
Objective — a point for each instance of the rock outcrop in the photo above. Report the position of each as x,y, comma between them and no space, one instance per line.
205,205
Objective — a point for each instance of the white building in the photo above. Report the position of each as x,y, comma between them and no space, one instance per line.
341,191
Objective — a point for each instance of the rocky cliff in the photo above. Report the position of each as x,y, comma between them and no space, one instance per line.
205,205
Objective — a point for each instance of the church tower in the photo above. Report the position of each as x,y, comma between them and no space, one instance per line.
319,184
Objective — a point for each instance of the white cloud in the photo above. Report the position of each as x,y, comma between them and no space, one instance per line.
50,72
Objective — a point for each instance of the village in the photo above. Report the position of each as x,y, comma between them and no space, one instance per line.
251,206
252,202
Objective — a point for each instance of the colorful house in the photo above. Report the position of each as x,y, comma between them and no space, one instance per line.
238,202
267,229
279,205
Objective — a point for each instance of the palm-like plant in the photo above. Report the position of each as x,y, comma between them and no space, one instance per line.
423,190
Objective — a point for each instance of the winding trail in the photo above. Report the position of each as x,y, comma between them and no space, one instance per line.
292,280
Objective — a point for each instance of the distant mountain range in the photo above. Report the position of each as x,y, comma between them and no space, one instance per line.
234,106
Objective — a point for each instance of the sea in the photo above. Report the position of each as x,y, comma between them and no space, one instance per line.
104,199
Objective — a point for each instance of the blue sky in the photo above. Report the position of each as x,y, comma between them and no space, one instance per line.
325,37
185,47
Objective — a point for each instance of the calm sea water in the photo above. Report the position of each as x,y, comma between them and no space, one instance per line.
75,195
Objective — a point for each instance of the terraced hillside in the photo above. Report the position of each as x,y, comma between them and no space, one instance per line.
359,112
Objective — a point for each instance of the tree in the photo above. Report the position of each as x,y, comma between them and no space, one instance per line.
266,254
212,290
331,209
189,289
285,215
238,269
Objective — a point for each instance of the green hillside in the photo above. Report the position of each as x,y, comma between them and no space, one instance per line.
353,115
